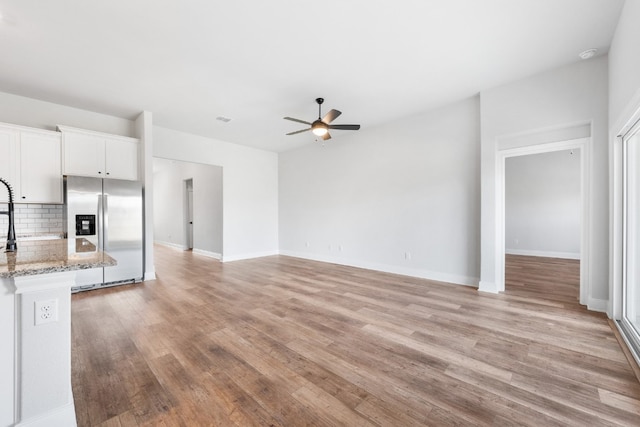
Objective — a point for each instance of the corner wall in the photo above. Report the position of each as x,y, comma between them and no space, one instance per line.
250,189
169,213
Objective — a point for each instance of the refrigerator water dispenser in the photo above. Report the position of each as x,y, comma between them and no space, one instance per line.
85,225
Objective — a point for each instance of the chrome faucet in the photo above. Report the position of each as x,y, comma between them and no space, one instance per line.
11,233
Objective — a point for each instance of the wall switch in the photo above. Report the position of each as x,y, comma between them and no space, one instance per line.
407,256
46,311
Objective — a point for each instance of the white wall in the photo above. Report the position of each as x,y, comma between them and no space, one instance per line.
624,65
169,215
557,99
367,198
542,204
20,110
250,188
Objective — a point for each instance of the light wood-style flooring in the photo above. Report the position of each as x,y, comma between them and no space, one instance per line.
280,341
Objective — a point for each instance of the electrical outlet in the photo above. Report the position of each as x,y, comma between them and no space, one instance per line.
46,311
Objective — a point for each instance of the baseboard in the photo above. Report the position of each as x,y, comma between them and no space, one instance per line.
488,287
595,304
63,416
149,275
207,253
169,244
393,269
240,257
545,254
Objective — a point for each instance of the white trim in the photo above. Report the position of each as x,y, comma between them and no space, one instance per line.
489,287
248,256
595,304
616,236
149,275
393,269
584,144
207,253
545,254
70,129
44,282
628,118
63,416
170,245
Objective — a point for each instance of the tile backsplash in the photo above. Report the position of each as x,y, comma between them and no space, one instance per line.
33,219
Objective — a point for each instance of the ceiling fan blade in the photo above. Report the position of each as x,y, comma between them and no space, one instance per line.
331,116
296,120
326,136
344,127
298,131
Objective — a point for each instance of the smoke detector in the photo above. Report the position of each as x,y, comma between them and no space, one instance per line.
589,53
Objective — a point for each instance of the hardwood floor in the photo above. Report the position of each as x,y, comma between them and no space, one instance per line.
280,341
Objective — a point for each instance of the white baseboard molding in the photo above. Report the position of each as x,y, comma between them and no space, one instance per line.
230,258
169,244
149,275
546,254
595,304
63,416
489,287
394,269
207,253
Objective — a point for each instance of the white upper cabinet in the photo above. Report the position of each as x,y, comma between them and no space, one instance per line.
101,155
121,158
30,159
40,167
8,159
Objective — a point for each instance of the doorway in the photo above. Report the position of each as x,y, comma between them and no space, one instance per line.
578,145
188,214
188,206
542,225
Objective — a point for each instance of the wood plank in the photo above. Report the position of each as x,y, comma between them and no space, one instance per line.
280,341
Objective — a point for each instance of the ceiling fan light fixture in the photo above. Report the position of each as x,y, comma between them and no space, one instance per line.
319,128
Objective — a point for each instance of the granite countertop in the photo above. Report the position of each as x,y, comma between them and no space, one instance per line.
51,256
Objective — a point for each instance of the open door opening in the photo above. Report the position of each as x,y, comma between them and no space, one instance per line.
542,225
188,214
581,148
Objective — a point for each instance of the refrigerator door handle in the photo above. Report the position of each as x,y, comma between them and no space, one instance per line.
100,222
105,219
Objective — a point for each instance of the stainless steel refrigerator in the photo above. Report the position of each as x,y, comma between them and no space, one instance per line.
105,214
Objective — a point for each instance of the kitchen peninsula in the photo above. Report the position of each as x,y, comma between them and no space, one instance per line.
35,330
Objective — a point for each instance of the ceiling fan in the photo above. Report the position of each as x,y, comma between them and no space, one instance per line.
321,127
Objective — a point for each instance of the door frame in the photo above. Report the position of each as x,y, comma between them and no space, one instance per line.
584,145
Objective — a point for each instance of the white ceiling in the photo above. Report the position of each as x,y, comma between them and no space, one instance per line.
191,61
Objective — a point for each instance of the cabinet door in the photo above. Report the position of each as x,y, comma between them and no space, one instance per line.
8,162
40,168
83,155
121,159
